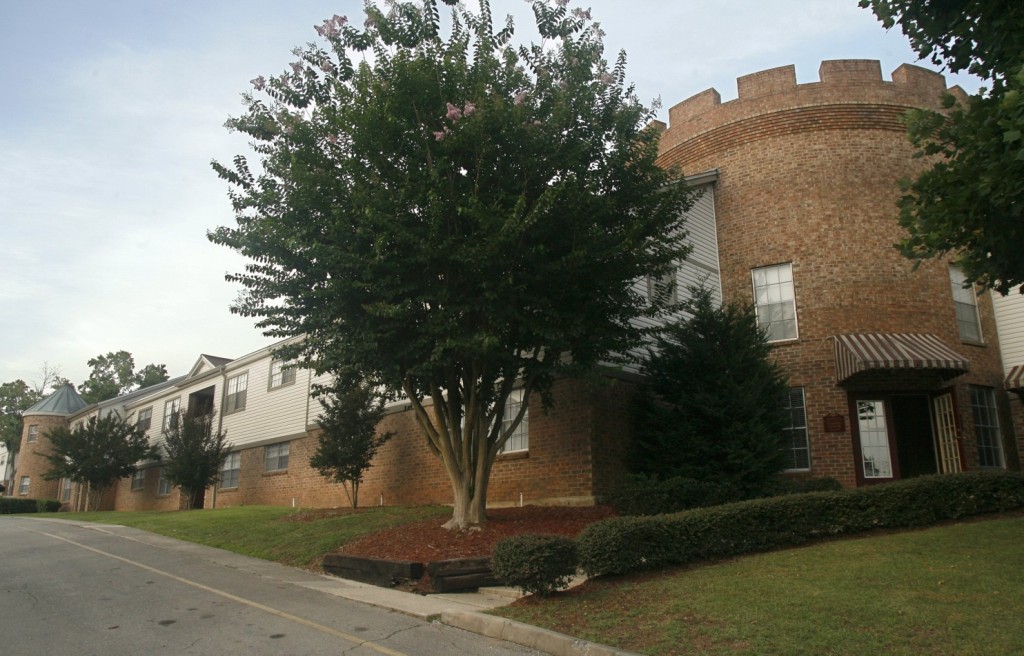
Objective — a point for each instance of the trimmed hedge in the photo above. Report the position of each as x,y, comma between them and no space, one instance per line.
536,564
15,506
628,544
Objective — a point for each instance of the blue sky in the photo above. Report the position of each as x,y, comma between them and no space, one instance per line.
113,109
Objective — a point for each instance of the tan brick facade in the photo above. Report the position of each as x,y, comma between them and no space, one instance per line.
808,175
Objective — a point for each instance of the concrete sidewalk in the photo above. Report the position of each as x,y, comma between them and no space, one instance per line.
463,610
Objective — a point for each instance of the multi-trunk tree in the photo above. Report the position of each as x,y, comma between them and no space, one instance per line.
98,453
194,452
452,216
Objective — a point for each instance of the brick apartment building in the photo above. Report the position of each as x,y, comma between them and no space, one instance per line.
894,372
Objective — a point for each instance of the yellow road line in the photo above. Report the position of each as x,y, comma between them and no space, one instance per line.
227,595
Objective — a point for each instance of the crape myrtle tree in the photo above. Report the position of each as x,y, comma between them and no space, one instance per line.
712,405
348,437
195,452
98,452
453,216
970,203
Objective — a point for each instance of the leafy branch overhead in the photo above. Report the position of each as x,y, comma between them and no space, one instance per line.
452,216
970,203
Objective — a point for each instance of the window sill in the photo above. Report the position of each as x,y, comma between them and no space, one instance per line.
513,455
233,488
275,472
971,342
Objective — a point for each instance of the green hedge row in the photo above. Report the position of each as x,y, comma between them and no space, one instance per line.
627,544
536,564
14,506
646,495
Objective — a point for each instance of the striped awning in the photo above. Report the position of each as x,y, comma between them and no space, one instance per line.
873,351
1015,379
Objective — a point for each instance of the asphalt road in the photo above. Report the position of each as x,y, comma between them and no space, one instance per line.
68,588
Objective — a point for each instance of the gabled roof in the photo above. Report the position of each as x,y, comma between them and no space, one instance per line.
64,401
206,363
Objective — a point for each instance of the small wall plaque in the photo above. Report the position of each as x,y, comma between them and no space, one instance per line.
835,423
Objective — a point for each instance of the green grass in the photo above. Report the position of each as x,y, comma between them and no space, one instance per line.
955,589
265,531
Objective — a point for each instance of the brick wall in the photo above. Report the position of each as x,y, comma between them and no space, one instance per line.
808,174
32,457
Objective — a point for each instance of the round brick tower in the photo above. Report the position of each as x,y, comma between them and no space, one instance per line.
888,382
50,413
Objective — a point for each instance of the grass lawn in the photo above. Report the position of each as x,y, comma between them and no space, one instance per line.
956,589
285,535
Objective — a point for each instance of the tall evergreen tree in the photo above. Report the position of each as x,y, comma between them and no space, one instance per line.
712,407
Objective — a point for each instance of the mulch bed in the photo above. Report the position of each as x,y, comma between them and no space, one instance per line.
428,541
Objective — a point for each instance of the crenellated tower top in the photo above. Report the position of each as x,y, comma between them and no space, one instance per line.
841,82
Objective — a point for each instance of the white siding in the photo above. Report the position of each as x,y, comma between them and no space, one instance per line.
1009,312
268,413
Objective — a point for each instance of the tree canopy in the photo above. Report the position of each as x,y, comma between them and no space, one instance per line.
195,452
452,217
15,397
98,452
113,374
970,203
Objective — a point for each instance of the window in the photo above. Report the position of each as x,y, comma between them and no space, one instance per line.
65,489
163,484
275,457
966,303
229,470
145,419
282,372
237,386
171,409
139,479
775,302
33,432
520,439
663,288
23,486
986,427
798,453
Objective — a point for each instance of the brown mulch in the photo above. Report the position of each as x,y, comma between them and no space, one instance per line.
428,541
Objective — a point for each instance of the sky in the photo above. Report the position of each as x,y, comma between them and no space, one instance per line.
111,111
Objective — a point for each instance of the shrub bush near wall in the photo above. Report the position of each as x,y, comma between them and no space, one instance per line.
12,506
537,564
627,544
646,495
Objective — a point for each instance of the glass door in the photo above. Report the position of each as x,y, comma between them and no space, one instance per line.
873,427
950,461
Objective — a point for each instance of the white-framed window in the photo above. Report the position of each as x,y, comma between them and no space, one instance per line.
798,452
986,427
33,432
520,439
23,485
171,409
65,489
230,469
234,401
663,288
144,420
275,457
775,301
282,372
965,300
138,479
163,484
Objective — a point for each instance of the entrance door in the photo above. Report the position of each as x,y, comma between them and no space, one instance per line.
950,461
914,439
876,458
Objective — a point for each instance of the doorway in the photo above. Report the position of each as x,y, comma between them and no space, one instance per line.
895,435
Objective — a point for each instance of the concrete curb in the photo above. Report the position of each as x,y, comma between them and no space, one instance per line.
551,642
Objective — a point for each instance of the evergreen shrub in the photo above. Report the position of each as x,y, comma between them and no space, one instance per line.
536,564
15,506
627,544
